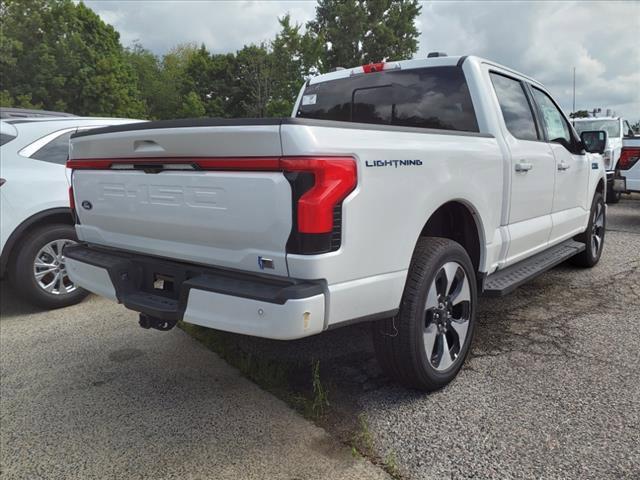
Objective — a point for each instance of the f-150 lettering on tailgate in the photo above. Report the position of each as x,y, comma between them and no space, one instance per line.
166,195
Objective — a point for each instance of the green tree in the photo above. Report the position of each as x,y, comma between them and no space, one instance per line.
211,77
191,106
296,56
61,55
147,71
255,76
355,32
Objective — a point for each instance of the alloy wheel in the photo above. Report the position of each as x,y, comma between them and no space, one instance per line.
446,316
597,229
50,271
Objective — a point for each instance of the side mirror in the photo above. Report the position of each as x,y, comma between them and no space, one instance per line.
594,141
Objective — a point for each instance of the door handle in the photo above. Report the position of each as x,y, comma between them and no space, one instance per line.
563,166
523,166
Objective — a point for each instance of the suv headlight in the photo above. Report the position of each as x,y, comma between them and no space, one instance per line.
606,158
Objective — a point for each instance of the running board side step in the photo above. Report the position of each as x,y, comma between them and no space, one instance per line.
505,281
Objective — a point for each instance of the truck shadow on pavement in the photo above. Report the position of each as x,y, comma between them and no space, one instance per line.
11,304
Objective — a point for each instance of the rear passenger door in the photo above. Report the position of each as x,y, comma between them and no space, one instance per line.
570,208
532,169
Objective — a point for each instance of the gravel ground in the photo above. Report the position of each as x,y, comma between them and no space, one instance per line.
551,388
85,393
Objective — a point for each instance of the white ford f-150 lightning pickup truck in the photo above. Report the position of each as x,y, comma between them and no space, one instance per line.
396,193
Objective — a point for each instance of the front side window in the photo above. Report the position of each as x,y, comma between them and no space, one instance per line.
554,122
56,151
515,107
434,97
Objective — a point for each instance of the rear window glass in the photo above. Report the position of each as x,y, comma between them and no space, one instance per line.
435,97
56,151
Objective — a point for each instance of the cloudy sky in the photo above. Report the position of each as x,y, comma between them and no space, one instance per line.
544,39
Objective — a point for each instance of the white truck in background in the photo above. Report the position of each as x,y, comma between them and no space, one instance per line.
618,131
396,193
629,163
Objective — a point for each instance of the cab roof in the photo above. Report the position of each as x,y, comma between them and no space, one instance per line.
439,61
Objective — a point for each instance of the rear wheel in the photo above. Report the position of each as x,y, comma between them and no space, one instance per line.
593,236
425,345
39,271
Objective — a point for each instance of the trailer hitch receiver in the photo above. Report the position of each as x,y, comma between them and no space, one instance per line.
147,321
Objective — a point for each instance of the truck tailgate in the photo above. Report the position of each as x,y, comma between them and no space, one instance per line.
234,219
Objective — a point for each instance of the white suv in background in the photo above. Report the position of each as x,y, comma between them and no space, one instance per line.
35,219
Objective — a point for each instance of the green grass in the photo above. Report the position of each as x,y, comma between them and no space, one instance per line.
309,396
320,400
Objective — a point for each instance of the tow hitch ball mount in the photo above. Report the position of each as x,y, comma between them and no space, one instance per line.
147,322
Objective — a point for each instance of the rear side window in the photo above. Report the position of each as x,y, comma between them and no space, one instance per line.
515,107
56,151
435,97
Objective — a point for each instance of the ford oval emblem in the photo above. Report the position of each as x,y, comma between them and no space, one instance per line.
87,205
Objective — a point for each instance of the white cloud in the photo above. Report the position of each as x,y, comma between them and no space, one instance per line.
546,40
542,39
223,26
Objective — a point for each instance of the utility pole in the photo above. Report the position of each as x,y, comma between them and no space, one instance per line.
574,90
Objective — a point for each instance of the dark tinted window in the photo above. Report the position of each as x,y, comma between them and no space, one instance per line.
56,151
6,138
436,97
515,107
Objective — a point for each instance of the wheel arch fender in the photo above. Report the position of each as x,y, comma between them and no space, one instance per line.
458,220
45,217
597,178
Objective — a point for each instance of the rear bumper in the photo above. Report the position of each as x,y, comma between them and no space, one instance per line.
263,306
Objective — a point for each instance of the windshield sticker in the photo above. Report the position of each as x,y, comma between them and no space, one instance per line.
309,99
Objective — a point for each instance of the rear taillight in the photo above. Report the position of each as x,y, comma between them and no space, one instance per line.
318,184
628,157
334,179
72,201
72,205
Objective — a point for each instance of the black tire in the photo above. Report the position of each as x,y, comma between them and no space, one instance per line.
400,341
22,272
593,250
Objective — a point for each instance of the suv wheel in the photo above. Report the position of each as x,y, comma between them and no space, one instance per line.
425,345
39,271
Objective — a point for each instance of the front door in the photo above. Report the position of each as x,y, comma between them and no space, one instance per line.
570,204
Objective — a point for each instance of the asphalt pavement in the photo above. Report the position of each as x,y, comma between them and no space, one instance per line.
85,393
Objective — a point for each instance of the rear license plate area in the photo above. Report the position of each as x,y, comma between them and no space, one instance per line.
163,283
